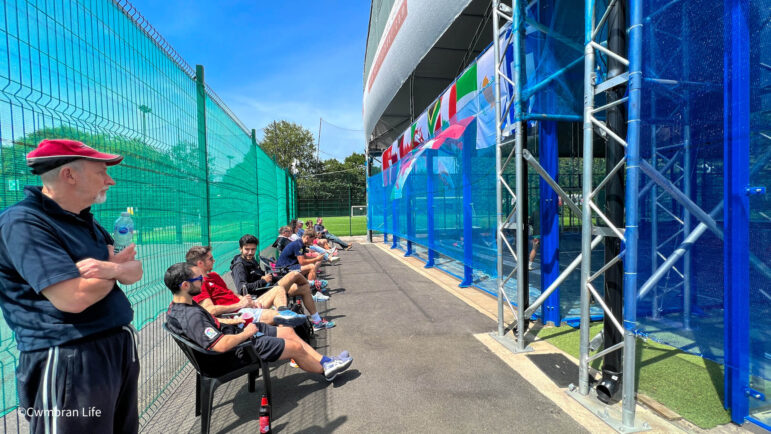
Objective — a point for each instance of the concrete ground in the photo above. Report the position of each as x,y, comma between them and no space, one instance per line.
421,364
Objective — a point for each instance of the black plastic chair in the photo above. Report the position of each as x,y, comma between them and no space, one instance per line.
214,369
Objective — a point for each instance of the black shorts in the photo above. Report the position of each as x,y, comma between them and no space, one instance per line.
268,346
89,385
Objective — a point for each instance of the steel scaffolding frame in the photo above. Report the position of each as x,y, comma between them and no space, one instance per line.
592,235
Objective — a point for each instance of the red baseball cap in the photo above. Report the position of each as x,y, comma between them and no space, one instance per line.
52,153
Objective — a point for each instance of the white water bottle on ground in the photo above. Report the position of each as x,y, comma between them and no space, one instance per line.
123,232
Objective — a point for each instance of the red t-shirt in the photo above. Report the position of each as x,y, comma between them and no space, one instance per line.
215,288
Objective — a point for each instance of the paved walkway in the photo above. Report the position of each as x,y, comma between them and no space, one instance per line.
417,367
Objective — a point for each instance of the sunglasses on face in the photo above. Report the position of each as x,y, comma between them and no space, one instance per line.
195,279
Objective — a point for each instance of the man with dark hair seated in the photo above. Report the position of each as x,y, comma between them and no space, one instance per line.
248,274
185,317
218,299
293,257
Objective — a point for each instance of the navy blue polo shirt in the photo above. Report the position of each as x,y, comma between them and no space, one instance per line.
288,256
39,245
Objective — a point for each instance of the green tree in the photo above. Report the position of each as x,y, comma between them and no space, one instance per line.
291,145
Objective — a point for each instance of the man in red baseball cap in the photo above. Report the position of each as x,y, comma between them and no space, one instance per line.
59,293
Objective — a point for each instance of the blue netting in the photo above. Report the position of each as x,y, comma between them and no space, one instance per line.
683,134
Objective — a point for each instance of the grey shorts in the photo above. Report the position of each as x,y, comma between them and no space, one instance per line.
268,346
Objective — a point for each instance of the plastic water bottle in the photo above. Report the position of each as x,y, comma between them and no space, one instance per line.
123,232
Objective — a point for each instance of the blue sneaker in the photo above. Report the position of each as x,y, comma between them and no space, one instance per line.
323,324
289,318
335,366
320,285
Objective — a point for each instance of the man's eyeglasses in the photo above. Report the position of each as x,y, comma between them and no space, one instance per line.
195,279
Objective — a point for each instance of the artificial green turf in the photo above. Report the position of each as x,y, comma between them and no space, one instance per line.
687,384
344,226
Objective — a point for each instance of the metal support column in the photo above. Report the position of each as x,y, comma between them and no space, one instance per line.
367,175
202,144
736,147
498,13
430,156
614,203
548,151
468,252
518,31
631,229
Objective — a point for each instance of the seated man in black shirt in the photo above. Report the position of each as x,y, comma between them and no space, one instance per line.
247,274
185,317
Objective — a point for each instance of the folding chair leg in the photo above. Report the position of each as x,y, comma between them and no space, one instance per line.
207,397
266,380
252,380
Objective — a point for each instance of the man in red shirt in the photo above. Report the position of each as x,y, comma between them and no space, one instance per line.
218,299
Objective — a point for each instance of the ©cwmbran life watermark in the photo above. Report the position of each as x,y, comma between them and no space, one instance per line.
29,412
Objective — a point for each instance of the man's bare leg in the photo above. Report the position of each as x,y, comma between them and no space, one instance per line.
295,348
274,297
298,286
309,270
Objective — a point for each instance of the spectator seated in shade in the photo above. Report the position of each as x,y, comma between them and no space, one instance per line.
218,299
324,233
297,229
294,258
187,318
247,274
283,238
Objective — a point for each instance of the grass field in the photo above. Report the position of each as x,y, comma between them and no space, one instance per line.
687,384
344,226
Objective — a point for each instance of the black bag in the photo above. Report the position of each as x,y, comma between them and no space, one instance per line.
304,331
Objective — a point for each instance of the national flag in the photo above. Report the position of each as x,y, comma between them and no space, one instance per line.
447,107
420,130
405,143
466,87
386,165
434,118
486,76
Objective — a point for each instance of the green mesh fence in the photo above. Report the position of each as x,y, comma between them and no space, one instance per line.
96,71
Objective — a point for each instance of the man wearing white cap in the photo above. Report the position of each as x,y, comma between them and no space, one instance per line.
59,293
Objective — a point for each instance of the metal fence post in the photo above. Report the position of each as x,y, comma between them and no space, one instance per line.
430,207
549,219
468,228
203,148
736,146
256,182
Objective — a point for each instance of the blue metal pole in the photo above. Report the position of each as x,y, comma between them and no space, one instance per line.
469,144
736,146
430,206
631,231
385,210
395,222
408,215
550,265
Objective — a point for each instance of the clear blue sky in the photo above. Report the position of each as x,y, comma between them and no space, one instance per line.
276,60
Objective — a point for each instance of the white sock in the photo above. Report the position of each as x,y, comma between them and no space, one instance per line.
315,317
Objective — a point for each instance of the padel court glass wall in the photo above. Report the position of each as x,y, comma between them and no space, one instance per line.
704,210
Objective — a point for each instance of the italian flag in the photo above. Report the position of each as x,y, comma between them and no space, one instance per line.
466,87
447,107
